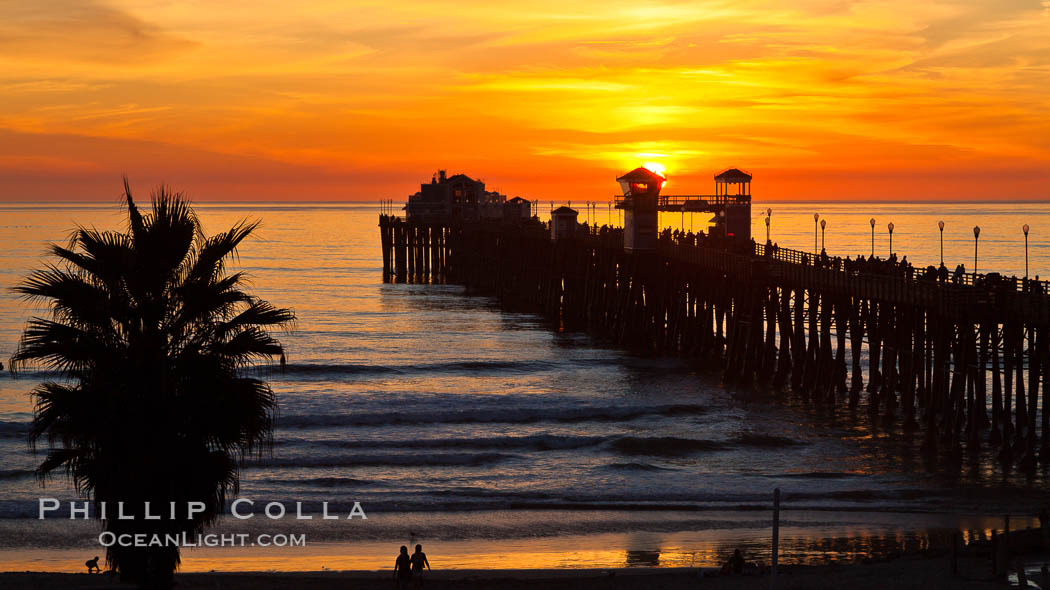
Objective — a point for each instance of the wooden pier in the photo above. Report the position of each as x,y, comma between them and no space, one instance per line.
962,362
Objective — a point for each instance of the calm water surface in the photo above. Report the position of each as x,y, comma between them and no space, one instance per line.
460,424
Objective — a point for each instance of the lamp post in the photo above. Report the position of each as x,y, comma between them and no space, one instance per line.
872,222
976,236
823,226
940,226
816,216
769,214
1024,228
889,226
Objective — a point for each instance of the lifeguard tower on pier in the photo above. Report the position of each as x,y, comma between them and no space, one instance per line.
641,193
641,202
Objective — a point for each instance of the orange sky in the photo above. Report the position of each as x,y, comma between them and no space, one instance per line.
549,100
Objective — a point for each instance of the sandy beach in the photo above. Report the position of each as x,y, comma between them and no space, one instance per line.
906,572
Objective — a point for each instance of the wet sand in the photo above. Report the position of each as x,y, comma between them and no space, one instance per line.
907,572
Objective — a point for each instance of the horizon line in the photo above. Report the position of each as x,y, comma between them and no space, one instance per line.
842,200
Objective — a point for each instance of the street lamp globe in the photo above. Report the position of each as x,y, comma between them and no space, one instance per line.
976,235
1025,229
940,226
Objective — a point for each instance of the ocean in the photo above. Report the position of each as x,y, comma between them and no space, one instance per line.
498,441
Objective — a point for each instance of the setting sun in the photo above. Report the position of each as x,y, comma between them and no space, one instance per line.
656,167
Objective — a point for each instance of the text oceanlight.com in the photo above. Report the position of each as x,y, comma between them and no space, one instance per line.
108,539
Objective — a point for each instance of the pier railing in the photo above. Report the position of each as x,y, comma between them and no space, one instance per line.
690,202
883,267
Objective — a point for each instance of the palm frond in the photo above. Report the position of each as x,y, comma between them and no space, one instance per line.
136,227
207,302
63,414
258,314
58,346
213,252
71,296
250,343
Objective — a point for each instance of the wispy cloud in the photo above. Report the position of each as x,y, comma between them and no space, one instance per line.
81,31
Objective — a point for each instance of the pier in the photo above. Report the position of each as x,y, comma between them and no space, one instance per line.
961,361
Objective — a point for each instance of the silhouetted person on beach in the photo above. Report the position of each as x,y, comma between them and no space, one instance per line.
419,561
403,569
92,565
735,565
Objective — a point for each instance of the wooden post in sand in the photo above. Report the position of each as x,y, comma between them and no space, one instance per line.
1022,576
955,553
776,538
997,543
1000,556
1006,534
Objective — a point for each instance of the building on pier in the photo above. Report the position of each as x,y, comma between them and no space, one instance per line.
733,178
461,197
641,194
563,223
517,209
736,208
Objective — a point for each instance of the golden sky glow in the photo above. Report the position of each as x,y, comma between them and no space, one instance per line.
549,100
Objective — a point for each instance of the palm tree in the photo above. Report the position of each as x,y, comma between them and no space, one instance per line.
151,336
